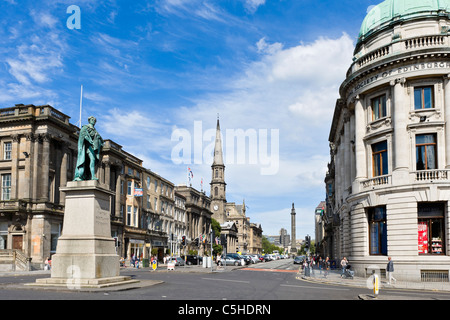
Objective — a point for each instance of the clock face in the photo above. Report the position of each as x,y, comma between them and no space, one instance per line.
216,207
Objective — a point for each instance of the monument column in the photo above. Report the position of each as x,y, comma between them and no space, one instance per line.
293,235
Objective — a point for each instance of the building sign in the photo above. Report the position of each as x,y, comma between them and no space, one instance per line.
138,192
423,237
400,71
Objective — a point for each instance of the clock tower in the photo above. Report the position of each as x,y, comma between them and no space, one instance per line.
218,185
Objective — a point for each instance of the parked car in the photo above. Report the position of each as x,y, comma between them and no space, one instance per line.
261,258
256,258
242,260
190,260
178,261
268,257
229,261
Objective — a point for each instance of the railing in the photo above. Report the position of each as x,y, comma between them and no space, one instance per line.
421,42
424,41
377,181
374,55
432,175
434,276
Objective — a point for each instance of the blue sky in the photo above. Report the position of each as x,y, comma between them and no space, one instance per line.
150,69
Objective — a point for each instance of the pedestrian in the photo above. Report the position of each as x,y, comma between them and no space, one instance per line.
326,266
390,270
344,263
47,264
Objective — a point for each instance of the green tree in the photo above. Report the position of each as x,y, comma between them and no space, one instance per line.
215,225
269,247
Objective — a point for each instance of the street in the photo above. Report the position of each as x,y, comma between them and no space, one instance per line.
262,283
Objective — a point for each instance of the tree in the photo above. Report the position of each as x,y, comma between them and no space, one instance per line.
215,225
269,247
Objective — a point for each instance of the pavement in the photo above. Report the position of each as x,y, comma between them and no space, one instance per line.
334,278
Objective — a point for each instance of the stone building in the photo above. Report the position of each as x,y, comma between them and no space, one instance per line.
198,218
388,181
224,211
38,156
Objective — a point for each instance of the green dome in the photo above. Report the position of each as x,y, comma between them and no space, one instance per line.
394,10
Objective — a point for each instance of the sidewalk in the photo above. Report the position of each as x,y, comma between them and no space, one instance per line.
187,269
334,277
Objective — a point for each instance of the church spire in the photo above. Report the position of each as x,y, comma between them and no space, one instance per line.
218,154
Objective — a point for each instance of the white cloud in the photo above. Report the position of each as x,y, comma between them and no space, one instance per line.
253,5
293,90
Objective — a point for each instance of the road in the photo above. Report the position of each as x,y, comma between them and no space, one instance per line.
262,283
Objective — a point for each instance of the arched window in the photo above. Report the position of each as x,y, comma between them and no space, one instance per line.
216,191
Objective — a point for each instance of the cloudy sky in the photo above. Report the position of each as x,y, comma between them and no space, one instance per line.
157,73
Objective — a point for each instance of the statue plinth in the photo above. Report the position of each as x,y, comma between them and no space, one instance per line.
85,254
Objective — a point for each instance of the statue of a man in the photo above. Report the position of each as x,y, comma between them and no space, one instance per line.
90,144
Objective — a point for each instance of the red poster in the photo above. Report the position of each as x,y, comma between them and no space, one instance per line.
423,237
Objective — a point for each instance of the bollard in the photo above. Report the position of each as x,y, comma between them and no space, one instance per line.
376,284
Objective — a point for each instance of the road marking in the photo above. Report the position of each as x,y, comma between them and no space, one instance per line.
309,287
269,270
241,281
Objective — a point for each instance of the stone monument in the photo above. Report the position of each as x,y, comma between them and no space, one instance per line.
85,255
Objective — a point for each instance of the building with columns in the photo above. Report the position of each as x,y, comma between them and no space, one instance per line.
388,180
38,156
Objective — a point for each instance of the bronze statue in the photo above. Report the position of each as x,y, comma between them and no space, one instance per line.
90,143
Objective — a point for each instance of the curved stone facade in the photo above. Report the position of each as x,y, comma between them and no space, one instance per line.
388,184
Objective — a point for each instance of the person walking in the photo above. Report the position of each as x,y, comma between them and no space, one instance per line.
390,270
326,267
344,263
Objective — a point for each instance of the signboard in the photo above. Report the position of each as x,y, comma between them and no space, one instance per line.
423,237
138,192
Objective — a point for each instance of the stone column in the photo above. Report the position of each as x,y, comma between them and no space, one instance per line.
347,154
15,148
447,120
45,167
28,180
400,114
63,172
35,170
360,150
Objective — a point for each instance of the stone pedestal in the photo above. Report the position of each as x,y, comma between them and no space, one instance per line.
85,254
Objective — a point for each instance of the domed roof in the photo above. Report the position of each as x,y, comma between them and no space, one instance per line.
394,10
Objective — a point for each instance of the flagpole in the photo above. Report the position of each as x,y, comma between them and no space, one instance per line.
81,103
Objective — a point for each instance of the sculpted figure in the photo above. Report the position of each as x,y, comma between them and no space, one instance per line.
90,144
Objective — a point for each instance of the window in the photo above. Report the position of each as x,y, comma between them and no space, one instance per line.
216,191
380,159
129,188
378,107
377,231
423,98
426,152
135,217
7,148
6,186
128,215
431,229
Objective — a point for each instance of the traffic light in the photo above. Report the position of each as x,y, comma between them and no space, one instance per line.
183,240
196,242
307,242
